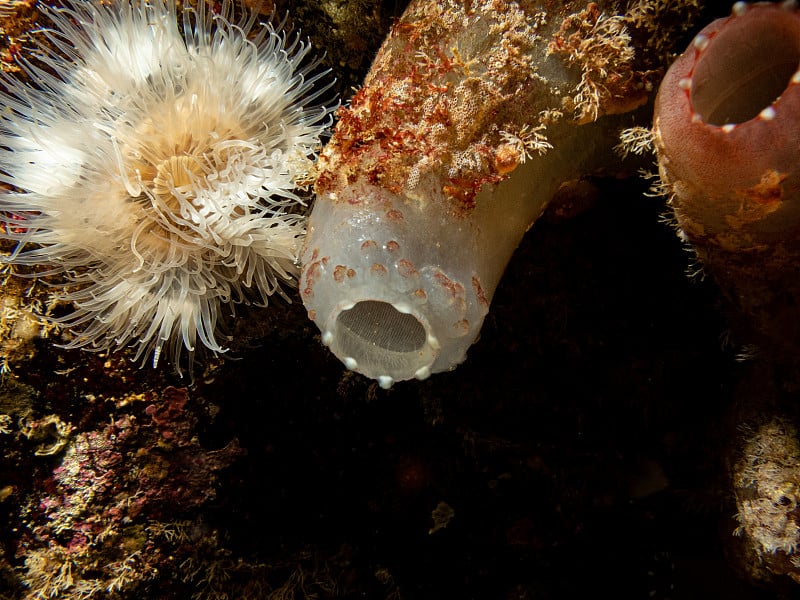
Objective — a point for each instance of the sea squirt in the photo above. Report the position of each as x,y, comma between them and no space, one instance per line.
470,118
727,133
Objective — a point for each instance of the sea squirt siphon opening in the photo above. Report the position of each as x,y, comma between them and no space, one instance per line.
383,341
735,79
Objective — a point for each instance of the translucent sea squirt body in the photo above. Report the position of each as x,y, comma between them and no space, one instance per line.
469,120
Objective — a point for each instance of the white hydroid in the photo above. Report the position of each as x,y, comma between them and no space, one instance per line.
153,158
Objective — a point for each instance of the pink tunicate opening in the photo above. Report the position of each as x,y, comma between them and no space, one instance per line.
746,67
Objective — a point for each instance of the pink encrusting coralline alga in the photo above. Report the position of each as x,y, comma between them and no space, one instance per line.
118,497
727,133
471,117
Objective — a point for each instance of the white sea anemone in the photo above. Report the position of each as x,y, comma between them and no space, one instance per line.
154,165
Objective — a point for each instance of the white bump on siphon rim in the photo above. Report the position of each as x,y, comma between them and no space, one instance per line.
768,114
423,373
701,42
